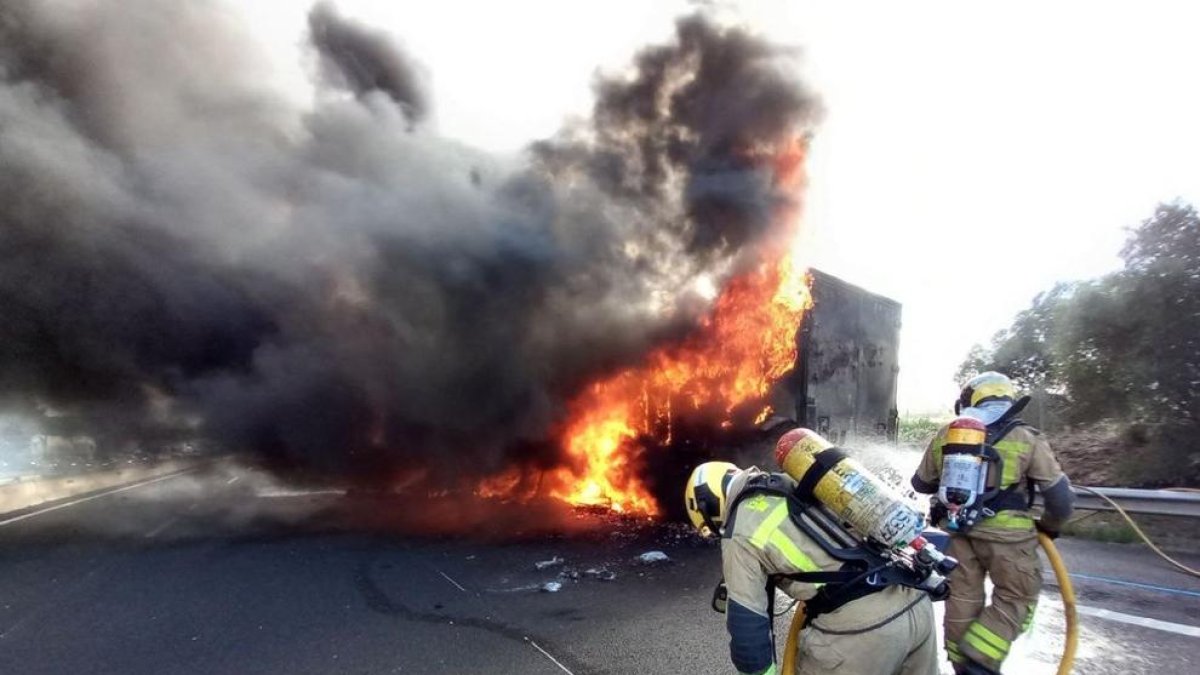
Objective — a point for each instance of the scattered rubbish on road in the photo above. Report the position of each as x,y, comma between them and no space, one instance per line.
551,587
547,564
653,558
601,573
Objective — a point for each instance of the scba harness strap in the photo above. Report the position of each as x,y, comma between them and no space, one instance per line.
1010,498
824,462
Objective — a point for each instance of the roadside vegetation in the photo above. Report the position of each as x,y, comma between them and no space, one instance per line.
1114,362
918,431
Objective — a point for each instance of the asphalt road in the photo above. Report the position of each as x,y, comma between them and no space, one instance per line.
228,573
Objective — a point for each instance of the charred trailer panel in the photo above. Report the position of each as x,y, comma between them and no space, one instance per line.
844,383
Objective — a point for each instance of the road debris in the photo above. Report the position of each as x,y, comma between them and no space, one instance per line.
551,587
601,573
653,558
547,564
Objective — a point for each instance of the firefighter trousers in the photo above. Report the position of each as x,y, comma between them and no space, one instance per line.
984,634
906,645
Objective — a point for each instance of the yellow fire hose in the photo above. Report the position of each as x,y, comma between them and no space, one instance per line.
1064,586
1138,530
793,639
1067,591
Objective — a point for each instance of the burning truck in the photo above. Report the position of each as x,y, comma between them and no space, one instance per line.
328,287
837,373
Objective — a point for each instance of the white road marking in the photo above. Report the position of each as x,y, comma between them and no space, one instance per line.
547,655
1132,619
447,578
270,494
515,589
161,528
89,498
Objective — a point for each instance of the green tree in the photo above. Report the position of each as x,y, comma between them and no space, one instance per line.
1162,312
917,431
1025,350
1123,347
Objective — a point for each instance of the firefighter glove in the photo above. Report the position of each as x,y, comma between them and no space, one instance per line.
1046,529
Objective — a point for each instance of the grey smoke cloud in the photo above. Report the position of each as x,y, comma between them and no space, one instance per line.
334,286
366,60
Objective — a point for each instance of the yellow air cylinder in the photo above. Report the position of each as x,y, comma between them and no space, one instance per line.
847,489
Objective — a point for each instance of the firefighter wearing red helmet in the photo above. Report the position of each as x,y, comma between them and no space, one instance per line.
983,467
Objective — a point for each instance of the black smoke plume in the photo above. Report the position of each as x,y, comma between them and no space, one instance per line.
185,252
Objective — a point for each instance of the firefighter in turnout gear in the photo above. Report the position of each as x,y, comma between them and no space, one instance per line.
887,629
983,468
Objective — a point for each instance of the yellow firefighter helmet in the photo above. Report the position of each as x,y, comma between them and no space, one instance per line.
983,388
704,497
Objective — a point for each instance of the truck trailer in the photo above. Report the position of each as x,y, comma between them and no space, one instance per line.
844,382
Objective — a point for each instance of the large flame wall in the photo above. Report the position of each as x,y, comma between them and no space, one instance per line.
747,342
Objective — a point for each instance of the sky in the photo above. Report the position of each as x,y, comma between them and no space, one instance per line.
972,154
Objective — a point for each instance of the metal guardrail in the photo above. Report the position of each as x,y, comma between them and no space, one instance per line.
1152,502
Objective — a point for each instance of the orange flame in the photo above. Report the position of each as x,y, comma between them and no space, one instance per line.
502,484
746,342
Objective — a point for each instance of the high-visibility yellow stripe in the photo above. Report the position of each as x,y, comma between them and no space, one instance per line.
983,647
768,533
938,442
1010,520
1029,616
768,671
1011,451
769,524
793,554
983,632
953,653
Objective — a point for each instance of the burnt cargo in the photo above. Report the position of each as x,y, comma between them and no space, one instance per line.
844,383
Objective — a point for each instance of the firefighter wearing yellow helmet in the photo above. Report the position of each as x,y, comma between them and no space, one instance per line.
883,630
983,467
705,495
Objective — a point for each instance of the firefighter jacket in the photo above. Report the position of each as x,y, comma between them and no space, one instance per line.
1028,460
760,541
